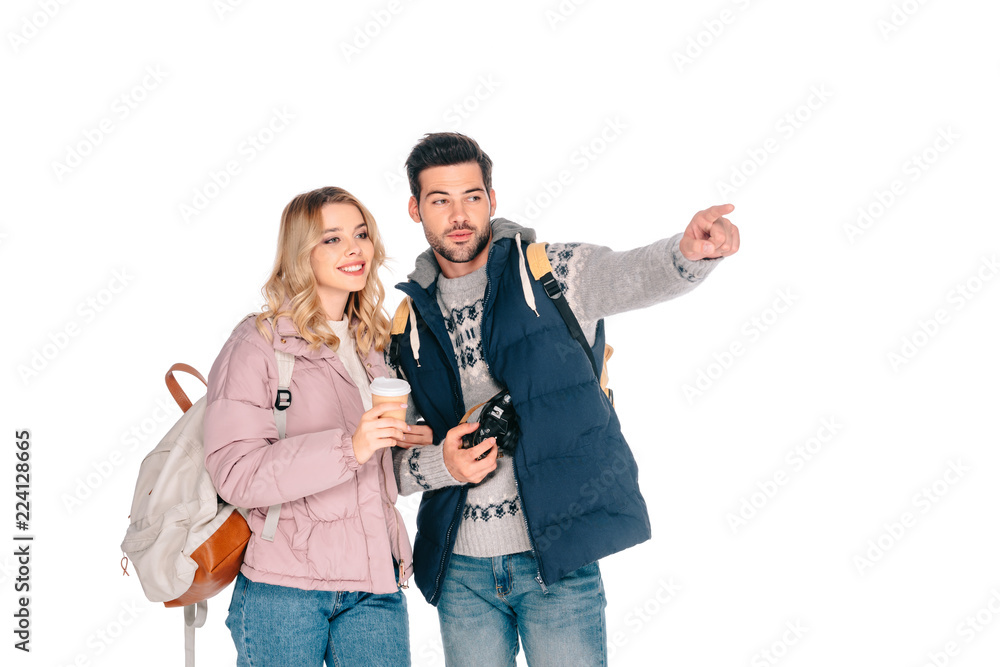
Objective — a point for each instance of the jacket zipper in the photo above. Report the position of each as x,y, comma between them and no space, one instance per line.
513,463
399,544
447,539
397,518
531,540
461,503
462,498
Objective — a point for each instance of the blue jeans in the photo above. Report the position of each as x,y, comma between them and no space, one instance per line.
487,602
283,626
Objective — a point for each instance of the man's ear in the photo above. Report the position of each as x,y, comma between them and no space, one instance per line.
414,209
493,201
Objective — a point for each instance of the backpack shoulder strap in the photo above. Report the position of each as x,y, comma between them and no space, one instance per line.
404,313
399,319
541,269
538,260
286,362
174,387
194,617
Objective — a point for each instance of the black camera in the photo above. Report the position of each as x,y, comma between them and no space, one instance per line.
496,420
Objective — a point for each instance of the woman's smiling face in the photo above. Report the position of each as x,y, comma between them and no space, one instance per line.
342,260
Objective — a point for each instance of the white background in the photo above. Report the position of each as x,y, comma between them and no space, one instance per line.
534,86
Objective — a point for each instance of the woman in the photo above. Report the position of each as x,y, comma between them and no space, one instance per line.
328,586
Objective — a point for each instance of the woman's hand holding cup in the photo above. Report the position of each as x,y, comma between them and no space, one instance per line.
377,429
389,400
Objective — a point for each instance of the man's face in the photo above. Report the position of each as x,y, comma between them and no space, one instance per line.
455,210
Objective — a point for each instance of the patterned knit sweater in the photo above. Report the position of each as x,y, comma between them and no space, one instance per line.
597,282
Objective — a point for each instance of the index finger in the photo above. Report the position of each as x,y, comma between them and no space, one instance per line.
483,446
382,408
421,430
711,214
483,450
467,427
392,422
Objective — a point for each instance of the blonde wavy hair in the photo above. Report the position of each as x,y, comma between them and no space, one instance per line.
291,289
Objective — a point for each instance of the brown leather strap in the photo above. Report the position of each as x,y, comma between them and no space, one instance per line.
175,388
470,411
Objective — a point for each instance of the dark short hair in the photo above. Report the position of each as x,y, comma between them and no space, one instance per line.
443,149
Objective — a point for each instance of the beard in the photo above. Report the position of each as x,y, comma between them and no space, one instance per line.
460,254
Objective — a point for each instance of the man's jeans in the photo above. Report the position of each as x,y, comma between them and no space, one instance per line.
486,602
282,626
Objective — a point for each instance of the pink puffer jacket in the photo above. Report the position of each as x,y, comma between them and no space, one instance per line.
339,529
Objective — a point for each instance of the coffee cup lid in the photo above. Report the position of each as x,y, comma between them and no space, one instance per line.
390,387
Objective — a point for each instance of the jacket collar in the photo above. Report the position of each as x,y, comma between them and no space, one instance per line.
426,270
289,340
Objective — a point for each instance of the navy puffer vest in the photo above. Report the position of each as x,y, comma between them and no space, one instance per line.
577,479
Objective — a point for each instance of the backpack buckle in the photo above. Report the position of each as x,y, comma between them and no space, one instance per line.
284,399
551,286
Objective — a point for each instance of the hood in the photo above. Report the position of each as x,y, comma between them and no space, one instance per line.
426,269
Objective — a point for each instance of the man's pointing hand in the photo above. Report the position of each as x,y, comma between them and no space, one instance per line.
710,235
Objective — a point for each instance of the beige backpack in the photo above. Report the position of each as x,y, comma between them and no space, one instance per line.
185,543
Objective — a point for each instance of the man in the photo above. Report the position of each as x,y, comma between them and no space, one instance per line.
507,546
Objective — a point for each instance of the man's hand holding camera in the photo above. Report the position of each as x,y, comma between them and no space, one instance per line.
462,464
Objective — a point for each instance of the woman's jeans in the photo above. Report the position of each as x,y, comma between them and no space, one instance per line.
283,626
487,602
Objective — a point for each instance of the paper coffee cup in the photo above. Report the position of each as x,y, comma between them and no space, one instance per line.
391,390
